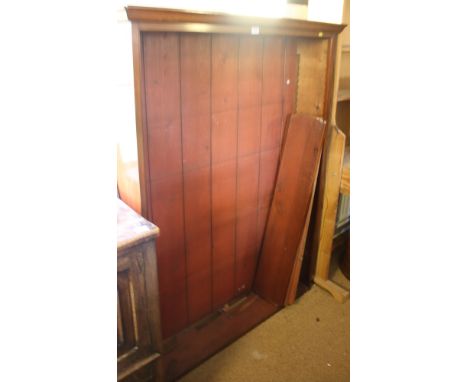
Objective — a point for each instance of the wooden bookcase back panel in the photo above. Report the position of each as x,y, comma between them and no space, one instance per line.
211,112
214,109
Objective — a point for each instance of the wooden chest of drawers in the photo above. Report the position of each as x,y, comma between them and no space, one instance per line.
138,322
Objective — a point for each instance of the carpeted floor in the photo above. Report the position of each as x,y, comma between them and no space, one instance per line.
305,342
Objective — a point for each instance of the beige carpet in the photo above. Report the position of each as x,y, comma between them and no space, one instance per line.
308,341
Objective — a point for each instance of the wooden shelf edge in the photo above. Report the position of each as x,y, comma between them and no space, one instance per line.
166,15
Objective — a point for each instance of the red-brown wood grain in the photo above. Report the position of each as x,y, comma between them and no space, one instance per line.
249,134
211,102
271,124
272,92
224,103
164,127
268,168
290,79
195,67
246,227
163,103
289,207
224,235
215,111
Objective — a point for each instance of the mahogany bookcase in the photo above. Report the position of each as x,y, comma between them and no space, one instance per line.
212,95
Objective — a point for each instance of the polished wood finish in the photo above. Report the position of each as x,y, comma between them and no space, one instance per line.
153,19
215,109
298,263
139,343
298,166
212,100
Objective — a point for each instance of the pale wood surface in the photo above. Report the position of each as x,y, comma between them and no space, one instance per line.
131,227
339,293
328,203
312,76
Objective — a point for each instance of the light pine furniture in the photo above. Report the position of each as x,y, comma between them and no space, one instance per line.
139,342
212,94
326,209
335,173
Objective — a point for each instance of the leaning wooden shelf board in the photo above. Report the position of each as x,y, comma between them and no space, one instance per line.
211,104
294,187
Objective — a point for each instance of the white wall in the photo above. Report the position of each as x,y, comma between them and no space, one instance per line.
329,11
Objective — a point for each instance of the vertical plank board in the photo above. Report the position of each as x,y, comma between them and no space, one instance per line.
161,68
272,92
167,205
268,168
250,94
173,310
271,124
246,228
328,204
168,209
224,104
198,240
250,100
199,294
224,216
162,92
289,208
195,66
291,62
